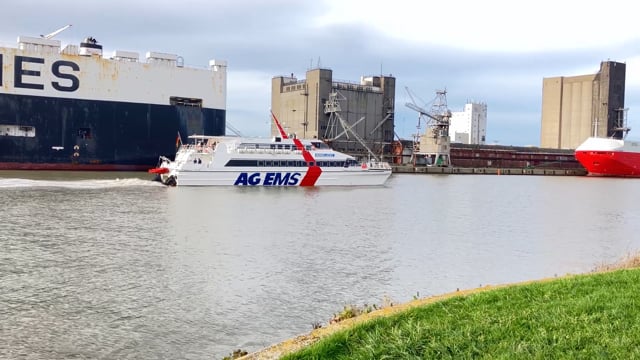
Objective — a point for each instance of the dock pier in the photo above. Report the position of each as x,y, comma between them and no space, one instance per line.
410,169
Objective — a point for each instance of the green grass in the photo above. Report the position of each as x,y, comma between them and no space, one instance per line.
594,316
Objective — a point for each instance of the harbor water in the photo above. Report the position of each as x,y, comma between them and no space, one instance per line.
115,266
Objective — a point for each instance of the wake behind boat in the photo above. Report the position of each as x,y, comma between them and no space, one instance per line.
279,161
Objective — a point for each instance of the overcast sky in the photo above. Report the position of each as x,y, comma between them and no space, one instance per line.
497,52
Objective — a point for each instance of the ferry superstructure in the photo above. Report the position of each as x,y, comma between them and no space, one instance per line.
72,108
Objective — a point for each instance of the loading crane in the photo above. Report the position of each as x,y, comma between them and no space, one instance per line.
432,147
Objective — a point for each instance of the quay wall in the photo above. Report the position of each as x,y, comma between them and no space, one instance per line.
410,169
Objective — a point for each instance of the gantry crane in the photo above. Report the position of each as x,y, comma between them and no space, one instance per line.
433,146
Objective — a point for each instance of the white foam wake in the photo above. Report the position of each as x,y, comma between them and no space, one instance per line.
76,184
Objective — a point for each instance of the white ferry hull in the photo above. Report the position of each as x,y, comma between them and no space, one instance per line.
293,177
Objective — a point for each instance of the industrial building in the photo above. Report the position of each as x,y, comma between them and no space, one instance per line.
470,125
576,107
344,114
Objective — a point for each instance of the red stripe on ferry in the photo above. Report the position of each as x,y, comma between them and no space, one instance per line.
313,172
280,129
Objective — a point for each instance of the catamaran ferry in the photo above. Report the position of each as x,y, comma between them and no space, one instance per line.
279,161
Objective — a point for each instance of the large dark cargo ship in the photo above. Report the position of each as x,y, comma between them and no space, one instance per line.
72,108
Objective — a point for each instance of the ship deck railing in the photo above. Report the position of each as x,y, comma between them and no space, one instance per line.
378,165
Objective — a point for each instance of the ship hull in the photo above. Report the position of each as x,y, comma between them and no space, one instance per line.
610,157
75,134
278,177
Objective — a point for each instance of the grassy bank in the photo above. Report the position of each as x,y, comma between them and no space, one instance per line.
585,316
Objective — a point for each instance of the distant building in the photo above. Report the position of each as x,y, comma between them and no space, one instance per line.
576,107
321,107
470,125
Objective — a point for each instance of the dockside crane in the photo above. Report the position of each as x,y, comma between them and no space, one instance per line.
439,116
422,113
434,145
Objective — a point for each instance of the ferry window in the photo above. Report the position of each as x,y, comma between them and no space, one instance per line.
260,163
311,163
291,163
273,146
238,162
84,133
280,146
333,163
307,147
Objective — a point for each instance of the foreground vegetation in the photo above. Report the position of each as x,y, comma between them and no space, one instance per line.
584,317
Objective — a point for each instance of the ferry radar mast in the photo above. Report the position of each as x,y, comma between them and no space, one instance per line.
49,36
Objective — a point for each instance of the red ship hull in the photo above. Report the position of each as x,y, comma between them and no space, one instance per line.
610,157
